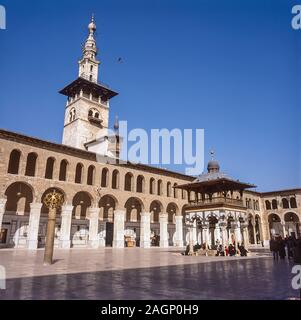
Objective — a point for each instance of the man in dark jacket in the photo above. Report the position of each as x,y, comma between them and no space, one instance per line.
274,248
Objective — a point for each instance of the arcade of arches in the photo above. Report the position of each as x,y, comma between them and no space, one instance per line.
87,222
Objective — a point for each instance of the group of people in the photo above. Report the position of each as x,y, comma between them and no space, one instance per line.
230,250
289,247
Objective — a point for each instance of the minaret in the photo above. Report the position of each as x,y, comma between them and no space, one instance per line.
88,65
87,108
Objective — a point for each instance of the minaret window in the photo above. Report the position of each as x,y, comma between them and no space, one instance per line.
94,117
72,114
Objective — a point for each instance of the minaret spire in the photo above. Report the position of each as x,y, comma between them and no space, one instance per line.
88,65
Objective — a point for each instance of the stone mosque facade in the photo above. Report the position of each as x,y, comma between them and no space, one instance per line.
118,204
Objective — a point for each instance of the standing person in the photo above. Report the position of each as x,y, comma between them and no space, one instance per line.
281,248
274,248
226,251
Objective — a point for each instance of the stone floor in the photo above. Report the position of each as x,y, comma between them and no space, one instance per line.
134,273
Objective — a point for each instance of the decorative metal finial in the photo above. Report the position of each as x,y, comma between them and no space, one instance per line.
53,200
212,154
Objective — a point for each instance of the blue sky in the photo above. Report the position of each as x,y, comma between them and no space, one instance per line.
229,66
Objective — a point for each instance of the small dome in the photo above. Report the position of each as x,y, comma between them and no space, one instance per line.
213,166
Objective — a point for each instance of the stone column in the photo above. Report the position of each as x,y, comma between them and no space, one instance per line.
2,210
118,236
224,234
163,230
217,233
194,233
205,227
93,228
65,242
237,233
265,232
145,230
34,223
179,231
254,232
245,236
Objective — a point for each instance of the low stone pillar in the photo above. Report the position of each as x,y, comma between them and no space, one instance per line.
2,210
33,227
163,230
118,236
145,231
179,231
65,242
93,228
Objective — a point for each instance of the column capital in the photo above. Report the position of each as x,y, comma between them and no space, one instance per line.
179,217
67,208
36,206
163,215
146,214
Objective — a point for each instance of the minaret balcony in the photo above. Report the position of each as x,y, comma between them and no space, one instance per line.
216,202
95,121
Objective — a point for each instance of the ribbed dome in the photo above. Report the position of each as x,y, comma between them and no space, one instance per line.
213,166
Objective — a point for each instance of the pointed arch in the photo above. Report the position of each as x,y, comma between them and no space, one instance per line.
128,182
140,184
81,202
104,177
134,206
19,197
31,164
14,162
285,203
159,187
115,179
63,170
79,173
152,186
90,175
49,168
155,209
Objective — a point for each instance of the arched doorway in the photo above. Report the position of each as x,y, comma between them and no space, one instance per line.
14,230
81,203
44,220
107,205
133,208
155,209
292,224
275,225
